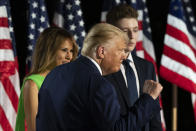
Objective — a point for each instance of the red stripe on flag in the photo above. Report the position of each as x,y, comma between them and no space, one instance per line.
178,34
179,80
140,25
178,56
163,127
4,121
3,22
16,63
7,67
139,46
5,44
9,89
149,58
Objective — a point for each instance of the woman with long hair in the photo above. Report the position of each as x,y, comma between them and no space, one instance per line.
55,46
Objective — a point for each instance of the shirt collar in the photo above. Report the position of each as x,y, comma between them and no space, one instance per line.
97,65
130,57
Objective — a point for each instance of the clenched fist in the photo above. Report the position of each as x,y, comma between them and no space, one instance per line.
152,88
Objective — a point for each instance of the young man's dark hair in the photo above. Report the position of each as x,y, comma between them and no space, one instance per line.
120,11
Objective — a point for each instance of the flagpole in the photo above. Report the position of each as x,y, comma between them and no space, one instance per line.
174,107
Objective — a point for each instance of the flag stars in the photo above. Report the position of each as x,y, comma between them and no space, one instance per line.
147,20
31,36
191,19
33,15
77,2
145,10
118,1
70,17
81,23
11,29
42,19
83,33
75,37
79,12
30,47
43,8
32,26
133,1
68,6
41,29
35,5
73,17
72,27
188,9
149,30
10,19
194,28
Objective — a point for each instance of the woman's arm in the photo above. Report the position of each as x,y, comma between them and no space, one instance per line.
30,94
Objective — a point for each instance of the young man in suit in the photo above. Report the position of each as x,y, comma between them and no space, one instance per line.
75,96
129,89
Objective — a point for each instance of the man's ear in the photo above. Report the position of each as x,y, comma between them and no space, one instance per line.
100,52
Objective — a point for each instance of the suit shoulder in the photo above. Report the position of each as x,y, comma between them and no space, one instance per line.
143,61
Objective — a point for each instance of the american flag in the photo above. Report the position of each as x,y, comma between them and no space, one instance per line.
9,77
38,21
69,16
178,62
144,46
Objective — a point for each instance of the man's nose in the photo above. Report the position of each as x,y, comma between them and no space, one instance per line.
130,34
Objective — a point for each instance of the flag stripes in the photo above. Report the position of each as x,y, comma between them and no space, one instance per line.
178,57
4,121
178,62
4,22
10,91
9,77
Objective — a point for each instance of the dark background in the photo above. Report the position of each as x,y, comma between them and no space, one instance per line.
158,10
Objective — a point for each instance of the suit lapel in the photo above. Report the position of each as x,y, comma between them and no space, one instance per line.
122,86
139,68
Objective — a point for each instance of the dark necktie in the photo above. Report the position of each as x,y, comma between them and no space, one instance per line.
131,82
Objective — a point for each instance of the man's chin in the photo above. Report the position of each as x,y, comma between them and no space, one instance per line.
111,71
131,48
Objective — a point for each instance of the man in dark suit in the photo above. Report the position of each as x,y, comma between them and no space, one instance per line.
75,96
124,17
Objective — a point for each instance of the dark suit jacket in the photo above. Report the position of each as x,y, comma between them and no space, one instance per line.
145,71
75,97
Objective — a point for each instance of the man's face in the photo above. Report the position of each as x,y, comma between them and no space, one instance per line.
114,54
130,26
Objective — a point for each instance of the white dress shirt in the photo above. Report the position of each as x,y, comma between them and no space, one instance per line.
134,70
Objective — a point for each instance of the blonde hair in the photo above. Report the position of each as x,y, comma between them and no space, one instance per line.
101,34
